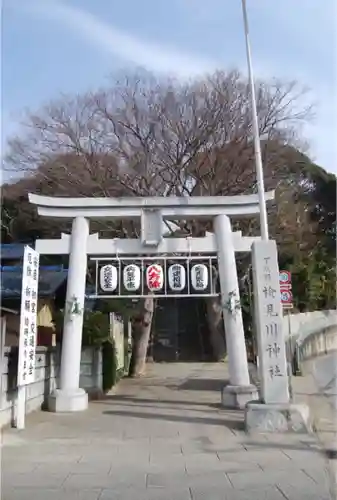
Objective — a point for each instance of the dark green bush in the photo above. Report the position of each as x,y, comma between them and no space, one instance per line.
109,359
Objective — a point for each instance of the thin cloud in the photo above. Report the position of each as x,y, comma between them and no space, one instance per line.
121,44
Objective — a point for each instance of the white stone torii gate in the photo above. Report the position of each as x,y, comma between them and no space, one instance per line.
151,211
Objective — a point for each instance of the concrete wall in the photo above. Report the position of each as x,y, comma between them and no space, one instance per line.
303,324
319,343
46,376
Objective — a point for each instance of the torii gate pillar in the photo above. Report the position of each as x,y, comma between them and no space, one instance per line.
70,397
239,391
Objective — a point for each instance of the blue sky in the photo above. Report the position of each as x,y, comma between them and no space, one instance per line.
50,47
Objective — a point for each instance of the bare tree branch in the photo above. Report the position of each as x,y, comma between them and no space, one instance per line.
143,137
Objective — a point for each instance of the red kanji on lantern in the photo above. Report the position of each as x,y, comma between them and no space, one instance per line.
154,277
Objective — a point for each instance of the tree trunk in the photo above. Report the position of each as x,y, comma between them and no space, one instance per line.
216,329
141,336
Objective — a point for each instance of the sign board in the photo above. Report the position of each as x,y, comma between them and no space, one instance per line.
269,324
285,278
28,318
286,298
285,287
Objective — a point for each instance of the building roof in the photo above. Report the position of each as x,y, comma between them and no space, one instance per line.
8,310
50,279
11,251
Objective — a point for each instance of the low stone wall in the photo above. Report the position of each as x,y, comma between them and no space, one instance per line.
46,372
300,325
318,343
91,376
46,378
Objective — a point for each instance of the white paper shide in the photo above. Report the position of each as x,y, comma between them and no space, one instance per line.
108,278
28,318
177,277
131,278
199,277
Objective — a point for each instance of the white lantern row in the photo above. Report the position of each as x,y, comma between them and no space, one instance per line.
199,277
154,277
108,278
177,277
131,278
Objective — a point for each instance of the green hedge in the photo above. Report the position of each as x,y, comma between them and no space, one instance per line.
111,376
109,360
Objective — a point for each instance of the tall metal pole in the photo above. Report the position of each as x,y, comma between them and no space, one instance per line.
257,145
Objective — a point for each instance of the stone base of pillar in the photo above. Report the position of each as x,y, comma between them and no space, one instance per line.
277,418
237,396
61,401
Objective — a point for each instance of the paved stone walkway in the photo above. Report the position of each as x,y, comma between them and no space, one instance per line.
163,437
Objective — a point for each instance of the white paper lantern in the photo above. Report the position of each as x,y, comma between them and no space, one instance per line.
177,277
199,277
131,278
154,277
108,278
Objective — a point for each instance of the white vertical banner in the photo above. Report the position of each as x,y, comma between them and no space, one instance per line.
28,319
2,352
269,325
117,333
28,328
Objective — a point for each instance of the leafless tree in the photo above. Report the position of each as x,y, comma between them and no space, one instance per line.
144,137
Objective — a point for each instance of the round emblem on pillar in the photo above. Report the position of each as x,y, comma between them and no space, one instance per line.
131,278
154,277
199,277
177,277
108,278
